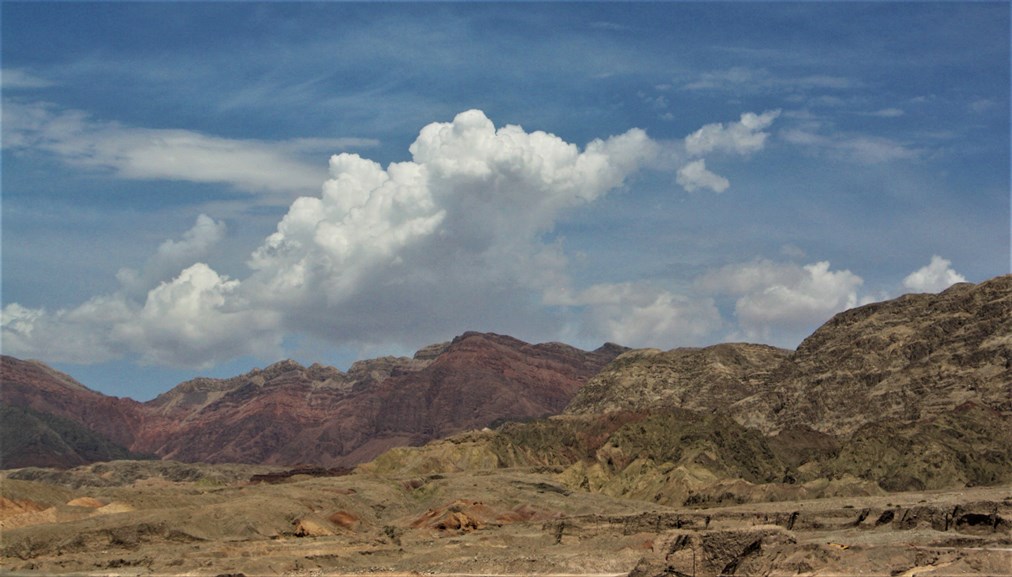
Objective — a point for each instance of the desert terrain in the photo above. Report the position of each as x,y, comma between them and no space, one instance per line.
158,518
881,446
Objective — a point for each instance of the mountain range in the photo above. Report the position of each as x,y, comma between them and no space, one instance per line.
909,393
288,414
882,445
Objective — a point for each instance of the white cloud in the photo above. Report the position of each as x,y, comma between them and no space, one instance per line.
261,167
934,277
859,148
468,209
887,113
448,241
782,302
195,320
743,137
451,240
174,255
641,315
199,318
694,176
80,335
170,312
16,78
761,80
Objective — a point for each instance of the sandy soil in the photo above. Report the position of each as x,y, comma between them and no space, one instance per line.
507,523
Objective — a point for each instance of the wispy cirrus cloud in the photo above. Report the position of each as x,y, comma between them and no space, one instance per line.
275,170
860,148
19,79
759,79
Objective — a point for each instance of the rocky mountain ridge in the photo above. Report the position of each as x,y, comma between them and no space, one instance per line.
921,400
701,379
905,394
287,414
903,360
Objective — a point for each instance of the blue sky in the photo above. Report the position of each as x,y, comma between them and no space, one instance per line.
201,188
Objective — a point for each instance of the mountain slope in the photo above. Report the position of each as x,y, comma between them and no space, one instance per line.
32,439
903,360
690,378
33,385
909,394
287,414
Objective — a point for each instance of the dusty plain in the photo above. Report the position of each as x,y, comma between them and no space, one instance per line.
135,518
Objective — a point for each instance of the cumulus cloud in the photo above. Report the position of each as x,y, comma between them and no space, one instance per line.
455,238
694,176
450,240
457,230
170,312
79,335
260,167
173,255
639,314
743,137
198,318
934,277
782,302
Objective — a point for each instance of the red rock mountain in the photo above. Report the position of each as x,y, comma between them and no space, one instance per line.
287,414
35,386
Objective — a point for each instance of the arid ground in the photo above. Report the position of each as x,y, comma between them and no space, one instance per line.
157,518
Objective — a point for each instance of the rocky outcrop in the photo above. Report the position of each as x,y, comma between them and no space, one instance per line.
704,379
44,391
288,414
903,360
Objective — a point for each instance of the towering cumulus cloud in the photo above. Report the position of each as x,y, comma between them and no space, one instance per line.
456,238
450,240
934,277
454,235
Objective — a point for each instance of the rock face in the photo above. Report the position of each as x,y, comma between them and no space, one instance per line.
698,379
287,414
909,394
33,439
43,391
900,361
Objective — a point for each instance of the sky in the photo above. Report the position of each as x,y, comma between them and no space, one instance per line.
197,189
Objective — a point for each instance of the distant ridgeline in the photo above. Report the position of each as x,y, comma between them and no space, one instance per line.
911,393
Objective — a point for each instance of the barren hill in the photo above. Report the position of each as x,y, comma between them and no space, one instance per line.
897,361
287,414
34,386
704,379
908,394
290,414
